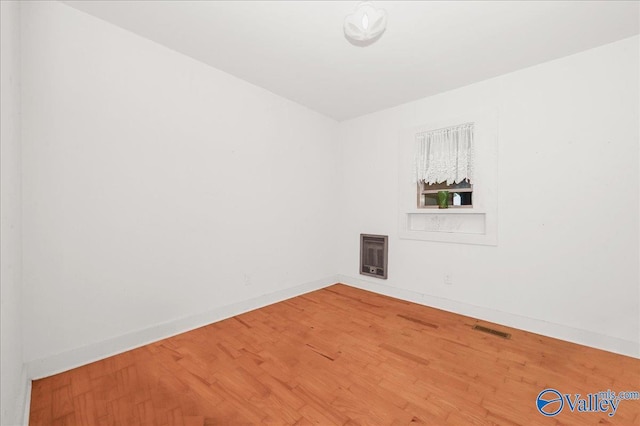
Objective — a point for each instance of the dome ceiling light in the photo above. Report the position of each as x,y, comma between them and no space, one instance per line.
365,25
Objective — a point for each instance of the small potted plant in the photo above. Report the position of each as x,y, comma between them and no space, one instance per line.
443,199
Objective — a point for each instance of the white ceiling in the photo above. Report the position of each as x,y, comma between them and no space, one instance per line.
297,49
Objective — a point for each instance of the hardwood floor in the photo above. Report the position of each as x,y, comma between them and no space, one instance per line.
342,356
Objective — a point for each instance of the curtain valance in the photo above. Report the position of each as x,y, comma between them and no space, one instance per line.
444,155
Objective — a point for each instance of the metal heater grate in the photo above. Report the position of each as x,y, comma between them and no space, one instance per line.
492,331
373,255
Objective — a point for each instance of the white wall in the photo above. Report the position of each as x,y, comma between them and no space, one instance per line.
566,263
156,187
12,374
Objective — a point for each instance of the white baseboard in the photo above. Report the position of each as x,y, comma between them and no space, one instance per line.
84,355
558,331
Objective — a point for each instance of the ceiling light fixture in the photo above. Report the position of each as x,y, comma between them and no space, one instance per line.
365,24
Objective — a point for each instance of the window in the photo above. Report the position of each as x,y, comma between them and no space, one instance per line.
444,162
460,194
418,217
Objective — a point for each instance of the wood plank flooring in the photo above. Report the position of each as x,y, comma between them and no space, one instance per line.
338,356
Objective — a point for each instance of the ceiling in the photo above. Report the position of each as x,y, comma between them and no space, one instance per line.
297,49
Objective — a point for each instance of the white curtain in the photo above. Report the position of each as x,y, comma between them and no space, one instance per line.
445,155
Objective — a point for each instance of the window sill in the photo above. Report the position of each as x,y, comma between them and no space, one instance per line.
463,226
450,210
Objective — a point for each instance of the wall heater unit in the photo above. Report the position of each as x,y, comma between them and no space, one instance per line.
373,255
